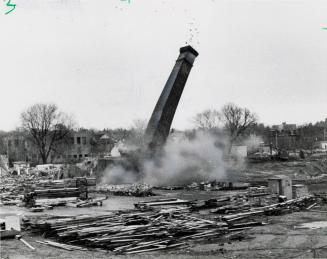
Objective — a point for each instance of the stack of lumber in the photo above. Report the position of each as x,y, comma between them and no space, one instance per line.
88,202
65,183
258,191
7,198
239,199
161,202
68,201
16,188
51,196
58,192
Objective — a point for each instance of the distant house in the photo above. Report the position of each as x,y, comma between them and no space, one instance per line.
106,143
321,144
80,145
284,127
18,148
102,144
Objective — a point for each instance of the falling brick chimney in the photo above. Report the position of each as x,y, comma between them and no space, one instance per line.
160,122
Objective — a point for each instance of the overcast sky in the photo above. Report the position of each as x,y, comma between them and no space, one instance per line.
106,61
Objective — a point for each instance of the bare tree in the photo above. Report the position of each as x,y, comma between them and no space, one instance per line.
237,120
47,127
208,120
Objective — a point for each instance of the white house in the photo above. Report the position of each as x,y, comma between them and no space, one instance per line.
321,144
239,151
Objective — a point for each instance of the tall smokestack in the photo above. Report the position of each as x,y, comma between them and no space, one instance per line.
160,122
325,130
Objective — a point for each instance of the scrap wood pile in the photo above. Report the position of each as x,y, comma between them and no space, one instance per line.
34,191
88,202
43,204
145,205
240,203
258,191
239,199
138,189
130,231
157,225
12,188
72,196
289,206
8,198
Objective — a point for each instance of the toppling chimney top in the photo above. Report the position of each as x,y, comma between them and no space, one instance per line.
188,48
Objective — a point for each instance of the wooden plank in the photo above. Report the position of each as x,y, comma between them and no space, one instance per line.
55,245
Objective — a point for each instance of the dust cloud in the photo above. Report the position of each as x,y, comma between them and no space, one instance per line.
182,161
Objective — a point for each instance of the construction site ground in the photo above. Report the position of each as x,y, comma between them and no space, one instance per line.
281,238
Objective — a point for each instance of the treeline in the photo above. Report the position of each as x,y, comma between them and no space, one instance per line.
303,137
48,132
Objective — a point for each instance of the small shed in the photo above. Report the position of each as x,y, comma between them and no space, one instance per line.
299,190
281,185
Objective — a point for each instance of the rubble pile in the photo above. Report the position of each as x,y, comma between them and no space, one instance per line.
50,172
208,186
138,189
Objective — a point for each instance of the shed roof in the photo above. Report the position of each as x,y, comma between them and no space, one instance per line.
279,177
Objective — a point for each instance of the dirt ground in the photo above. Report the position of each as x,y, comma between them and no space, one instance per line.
281,238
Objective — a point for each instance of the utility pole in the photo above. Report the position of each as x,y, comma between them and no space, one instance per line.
276,136
276,139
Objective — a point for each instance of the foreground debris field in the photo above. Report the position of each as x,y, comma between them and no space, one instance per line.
133,231
232,222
